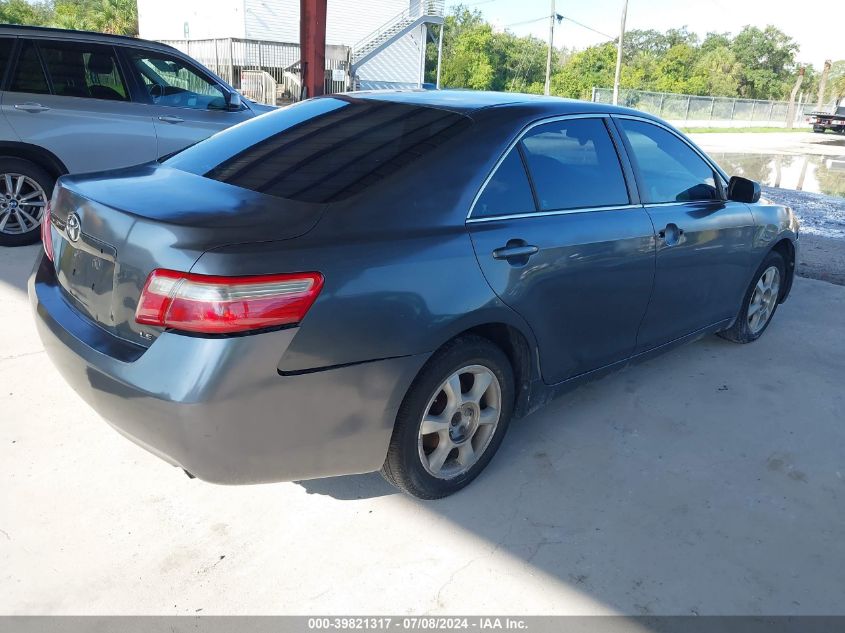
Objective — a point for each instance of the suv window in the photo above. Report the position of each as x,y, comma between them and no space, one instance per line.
574,164
83,70
6,45
324,149
28,75
669,168
172,82
508,191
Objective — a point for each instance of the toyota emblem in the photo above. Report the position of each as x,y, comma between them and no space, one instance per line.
74,227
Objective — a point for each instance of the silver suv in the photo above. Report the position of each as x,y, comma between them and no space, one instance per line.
73,102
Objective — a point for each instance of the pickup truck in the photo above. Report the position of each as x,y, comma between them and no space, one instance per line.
823,121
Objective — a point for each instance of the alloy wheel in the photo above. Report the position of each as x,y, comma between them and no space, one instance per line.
22,202
459,421
764,299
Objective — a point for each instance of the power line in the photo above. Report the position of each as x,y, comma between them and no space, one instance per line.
545,17
589,28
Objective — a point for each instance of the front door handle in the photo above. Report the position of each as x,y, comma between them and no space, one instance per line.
30,106
671,235
171,119
515,252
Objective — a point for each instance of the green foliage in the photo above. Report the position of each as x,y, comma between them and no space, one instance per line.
756,63
119,17
23,12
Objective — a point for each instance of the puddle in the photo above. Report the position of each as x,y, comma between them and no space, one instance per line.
812,173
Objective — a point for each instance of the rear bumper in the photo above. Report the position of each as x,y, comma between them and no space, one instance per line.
218,407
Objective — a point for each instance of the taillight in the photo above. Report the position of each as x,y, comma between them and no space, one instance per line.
46,233
221,305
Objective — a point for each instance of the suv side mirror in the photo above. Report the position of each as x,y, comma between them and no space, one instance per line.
233,101
743,190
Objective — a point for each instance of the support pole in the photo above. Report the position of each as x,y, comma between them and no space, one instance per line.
312,46
547,87
618,75
440,51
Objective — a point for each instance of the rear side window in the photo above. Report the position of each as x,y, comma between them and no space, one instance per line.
574,164
28,75
83,70
6,45
322,150
669,168
507,192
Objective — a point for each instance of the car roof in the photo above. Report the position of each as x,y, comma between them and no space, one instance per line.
468,101
87,36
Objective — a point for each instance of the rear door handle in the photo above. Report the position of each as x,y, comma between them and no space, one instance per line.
171,119
31,107
515,252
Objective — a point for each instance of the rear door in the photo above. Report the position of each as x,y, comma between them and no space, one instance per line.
561,239
703,240
71,98
187,105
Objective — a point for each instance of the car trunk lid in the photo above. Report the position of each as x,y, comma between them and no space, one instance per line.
116,228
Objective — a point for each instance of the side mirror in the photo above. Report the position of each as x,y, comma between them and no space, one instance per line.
233,101
743,190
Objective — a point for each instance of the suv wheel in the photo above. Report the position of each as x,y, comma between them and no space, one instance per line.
25,189
452,420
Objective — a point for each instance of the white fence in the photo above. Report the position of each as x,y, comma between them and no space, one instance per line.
265,71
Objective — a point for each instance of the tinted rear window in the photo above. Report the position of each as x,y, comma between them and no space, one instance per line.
322,150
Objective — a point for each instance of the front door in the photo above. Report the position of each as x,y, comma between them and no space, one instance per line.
703,241
79,109
568,249
185,104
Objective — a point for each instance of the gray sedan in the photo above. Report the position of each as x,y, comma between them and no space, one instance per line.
383,281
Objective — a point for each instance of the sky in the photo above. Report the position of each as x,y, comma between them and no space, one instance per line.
818,37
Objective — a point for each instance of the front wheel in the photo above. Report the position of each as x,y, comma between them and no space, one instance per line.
452,419
761,301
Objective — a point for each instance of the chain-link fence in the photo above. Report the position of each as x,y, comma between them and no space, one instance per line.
692,108
267,72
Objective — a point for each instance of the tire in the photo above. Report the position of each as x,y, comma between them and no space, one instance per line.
467,435
818,130
31,188
759,305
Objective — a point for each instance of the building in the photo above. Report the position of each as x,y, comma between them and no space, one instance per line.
377,42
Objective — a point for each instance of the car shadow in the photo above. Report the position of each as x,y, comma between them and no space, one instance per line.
700,482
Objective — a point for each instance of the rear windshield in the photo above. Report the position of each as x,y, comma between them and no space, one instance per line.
322,150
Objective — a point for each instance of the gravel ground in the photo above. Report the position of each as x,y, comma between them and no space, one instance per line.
822,246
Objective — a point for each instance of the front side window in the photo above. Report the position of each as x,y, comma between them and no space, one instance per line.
172,82
28,75
669,168
83,70
573,164
6,45
507,192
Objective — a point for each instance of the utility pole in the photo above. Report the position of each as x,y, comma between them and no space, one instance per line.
551,46
619,56
440,51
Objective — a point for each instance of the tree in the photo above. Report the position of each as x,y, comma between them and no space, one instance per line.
23,12
118,17
594,66
767,60
716,73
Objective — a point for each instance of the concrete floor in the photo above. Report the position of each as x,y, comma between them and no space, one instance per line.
710,480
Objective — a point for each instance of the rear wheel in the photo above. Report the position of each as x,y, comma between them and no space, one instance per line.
452,419
761,301
25,189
